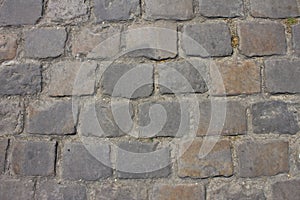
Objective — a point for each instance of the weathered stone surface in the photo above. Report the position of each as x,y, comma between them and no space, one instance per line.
235,119
218,162
142,160
179,191
8,46
121,191
156,41
273,117
72,78
102,119
274,8
20,79
45,42
110,10
282,76
238,78
169,9
11,117
128,80
234,191
221,8
3,148
31,158
262,39
51,190
262,159
97,43
20,12
13,189
65,10
207,40
296,39
51,117
286,190
182,77
86,161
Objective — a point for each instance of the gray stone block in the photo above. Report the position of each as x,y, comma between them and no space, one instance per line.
3,148
284,190
11,120
221,8
296,39
14,189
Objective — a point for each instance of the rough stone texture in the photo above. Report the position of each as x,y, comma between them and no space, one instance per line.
238,78
234,191
157,41
86,162
179,191
8,46
102,119
45,42
282,76
110,10
13,189
263,158
3,148
51,190
97,43
72,78
274,8
235,119
128,80
142,160
117,191
181,77
218,162
65,10
207,40
273,117
262,38
20,79
31,158
51,117
296,39
11,117
20,12
221,8
286,190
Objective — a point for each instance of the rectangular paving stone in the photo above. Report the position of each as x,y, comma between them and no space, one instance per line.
86,161
3,149
110,10
8,43
34,158
137,160
51,117
128,80
288,189
20,79
11,120
262,38
14,189
36,46
221,8
273,117
20,12
72,78
282,76
207,40
296,39
218,162
274,8
178,191
268,158
52,190
237,78
95,42
169,9
157,41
